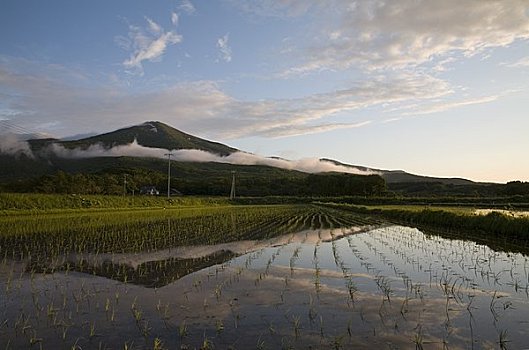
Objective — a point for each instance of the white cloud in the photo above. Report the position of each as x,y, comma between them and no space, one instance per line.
275,8
382,34
187,7
307,165
224,48
522,62
290,130
174,18
147,44
154,27
203,108
12,144
444,106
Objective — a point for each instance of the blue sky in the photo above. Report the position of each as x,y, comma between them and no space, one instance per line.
433,87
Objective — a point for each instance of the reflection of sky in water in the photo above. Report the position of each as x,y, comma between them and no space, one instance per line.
392,286
467,279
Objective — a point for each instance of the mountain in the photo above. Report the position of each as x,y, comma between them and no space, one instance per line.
400,176
48,171
149,134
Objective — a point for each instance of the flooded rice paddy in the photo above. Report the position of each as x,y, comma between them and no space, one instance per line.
326,280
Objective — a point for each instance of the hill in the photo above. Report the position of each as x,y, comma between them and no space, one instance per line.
149,134
104,172
48,172
107,175
400,176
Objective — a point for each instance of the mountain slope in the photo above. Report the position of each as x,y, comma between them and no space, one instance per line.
400,176
199,177
149,134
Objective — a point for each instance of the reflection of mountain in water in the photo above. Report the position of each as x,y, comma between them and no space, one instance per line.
151,274
159,268
156,274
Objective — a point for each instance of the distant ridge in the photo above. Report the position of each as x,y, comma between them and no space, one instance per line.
156,134
400,176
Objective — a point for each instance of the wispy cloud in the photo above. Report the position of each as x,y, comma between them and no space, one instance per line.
447,105
522,62
388,34
312,129
174,18
12,144
146,44
202,107
186,6
224,48
275,8
307,165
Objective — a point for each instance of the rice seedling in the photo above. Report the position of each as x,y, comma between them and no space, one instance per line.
182,330
219,327
158,344
296,324
503,340
75,280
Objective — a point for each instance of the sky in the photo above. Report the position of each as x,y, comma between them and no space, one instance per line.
437,88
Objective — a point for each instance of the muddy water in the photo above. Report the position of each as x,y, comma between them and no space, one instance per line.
388,287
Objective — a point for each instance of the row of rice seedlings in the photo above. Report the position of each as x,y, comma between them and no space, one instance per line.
136,312
134,236
376,244
456,287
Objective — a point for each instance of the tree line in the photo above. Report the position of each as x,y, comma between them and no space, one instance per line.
129,181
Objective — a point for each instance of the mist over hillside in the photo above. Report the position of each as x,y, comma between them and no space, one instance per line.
199,167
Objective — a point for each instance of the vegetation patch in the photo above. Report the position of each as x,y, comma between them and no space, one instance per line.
494,223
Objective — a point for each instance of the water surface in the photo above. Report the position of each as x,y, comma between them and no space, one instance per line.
365,287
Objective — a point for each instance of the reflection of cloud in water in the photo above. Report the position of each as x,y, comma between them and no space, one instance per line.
159,268
270,301
237,247
258,295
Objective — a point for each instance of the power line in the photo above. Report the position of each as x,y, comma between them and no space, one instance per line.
15,128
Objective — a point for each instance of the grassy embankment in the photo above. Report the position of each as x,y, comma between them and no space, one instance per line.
449,218
36,201
12,203
48,239
456,220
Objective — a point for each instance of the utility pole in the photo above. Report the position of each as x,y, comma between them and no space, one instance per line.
232,192
124,185
169,155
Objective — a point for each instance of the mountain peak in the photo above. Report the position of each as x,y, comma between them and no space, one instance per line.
153,134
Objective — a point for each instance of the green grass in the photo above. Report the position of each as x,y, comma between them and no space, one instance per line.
45,236
450,219
12,202
418,208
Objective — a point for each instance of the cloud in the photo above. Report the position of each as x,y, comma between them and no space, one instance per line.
307,165
224,48
186,6
444,106
289,117
388,34
203,108
174,18
146,44
310,129
275,8
154,27
13,145
522,62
